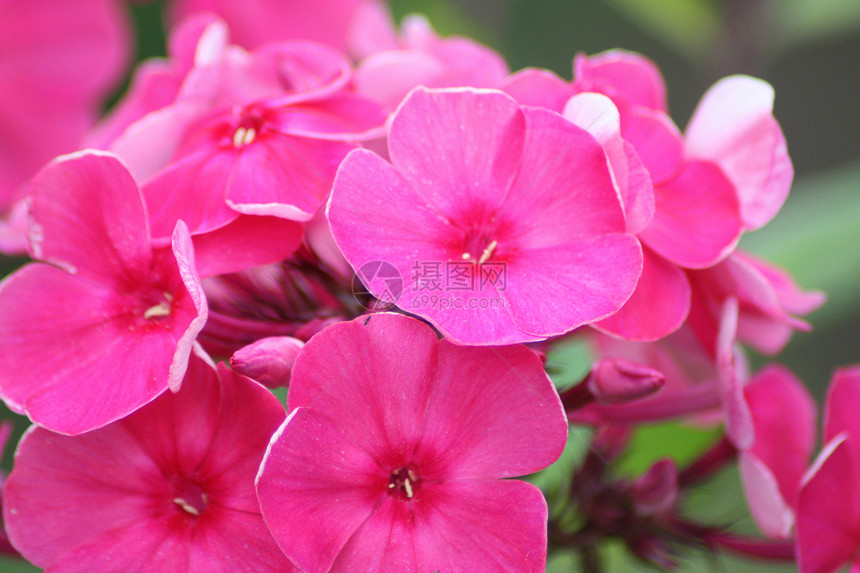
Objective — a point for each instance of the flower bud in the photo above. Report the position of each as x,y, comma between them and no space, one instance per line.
269,361
617,381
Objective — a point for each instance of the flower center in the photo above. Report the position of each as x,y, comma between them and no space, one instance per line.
190,497
479,248
402,483
249,122
160,309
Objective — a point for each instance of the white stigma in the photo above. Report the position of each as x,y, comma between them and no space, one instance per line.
407,485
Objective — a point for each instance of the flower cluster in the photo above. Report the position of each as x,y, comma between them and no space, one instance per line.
402,233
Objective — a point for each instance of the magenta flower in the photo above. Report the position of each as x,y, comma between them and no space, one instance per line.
505,218
169,488
828,505
392,456
106,326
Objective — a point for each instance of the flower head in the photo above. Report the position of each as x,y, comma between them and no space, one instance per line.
392,454
170,488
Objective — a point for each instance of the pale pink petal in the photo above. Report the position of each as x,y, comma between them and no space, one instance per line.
88,217
155,85
388,76
624,75
148,145
247,242
373,30
483,525
657,141
598,115
315,473
476,430
828,520
697,220
790,297
772,512
841,407
658,306
383,359
461,139
538,88
734,127
736,411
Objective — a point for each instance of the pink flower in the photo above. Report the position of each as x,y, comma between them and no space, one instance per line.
169,488
392,456
692,217
828,505
108,324
57,62
512,210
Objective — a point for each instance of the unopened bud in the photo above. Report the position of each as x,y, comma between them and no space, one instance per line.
269,361
617,381
656,490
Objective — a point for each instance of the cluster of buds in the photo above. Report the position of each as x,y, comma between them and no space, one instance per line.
405,236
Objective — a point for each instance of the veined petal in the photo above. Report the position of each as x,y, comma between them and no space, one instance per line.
493,413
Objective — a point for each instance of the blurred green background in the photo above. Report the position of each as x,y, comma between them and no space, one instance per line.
808,49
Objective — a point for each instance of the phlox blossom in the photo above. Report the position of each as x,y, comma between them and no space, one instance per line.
391,457
169,488
105,323
512,209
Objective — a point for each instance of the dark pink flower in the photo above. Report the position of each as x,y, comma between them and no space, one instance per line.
392,456
170,488
512,209
828,505
106,326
